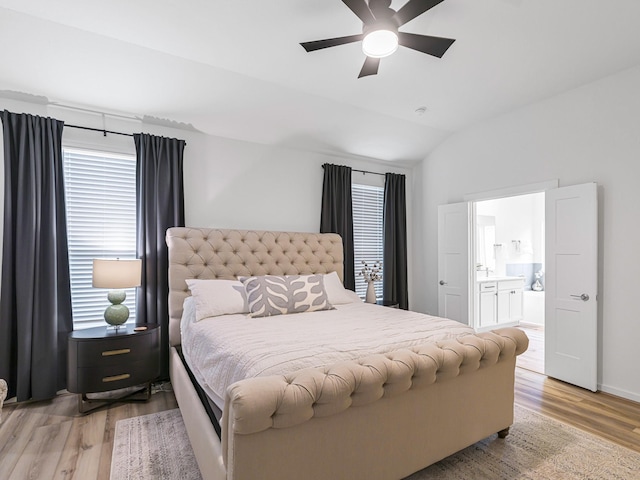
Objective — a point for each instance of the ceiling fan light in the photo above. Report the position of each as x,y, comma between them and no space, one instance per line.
380,43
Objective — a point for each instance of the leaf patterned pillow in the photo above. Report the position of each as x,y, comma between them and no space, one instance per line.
278,295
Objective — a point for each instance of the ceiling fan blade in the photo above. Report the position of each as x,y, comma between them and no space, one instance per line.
370,67
330,42
361,9
435,46
413,9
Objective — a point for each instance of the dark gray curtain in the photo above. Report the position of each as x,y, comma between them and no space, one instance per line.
160,204
337,214
394,279
35,297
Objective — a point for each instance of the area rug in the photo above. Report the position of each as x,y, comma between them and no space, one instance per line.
153,447
538,448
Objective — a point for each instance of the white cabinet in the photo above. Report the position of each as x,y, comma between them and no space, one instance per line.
499,302
487,301
510,293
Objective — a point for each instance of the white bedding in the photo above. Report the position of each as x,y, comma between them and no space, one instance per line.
222,350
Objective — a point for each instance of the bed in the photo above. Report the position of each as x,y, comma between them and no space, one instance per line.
380,415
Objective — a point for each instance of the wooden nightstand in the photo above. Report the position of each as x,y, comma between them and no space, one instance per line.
102,360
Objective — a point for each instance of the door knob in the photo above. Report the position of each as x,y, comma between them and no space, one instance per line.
584,297
442,282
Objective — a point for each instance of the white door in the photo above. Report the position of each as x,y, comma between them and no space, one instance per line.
571,274
453,261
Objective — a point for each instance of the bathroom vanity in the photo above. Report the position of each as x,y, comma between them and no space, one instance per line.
499,302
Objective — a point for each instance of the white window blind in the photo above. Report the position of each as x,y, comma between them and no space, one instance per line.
368,208
100,192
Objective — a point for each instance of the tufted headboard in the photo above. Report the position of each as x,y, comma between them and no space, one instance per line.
208,253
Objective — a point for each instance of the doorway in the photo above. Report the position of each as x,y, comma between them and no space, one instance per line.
509,253
570,275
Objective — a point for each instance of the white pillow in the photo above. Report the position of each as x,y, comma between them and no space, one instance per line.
189,307
218,297
338,295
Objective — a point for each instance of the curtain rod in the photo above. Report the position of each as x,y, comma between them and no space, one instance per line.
104,132
365,172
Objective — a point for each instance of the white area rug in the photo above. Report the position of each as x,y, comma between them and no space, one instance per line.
153,447
156,447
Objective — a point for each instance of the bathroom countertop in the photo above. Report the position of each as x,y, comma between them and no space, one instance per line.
480,279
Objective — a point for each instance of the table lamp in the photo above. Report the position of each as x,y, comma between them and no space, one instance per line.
116,274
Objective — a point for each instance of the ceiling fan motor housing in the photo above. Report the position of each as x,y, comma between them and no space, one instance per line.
381,9
382,24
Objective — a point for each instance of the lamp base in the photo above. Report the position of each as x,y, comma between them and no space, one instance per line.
117,313
116,328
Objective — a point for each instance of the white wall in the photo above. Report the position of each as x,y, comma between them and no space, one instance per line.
237,184
589,134
228,183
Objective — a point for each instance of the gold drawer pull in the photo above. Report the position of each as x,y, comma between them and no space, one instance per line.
108,353
115,378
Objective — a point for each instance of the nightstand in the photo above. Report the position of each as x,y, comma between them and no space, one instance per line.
104,360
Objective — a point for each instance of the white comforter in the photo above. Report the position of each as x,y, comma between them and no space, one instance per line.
222,350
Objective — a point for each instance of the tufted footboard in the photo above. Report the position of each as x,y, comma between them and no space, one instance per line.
382,417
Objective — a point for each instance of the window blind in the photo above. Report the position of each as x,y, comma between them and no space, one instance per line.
368,208
100,193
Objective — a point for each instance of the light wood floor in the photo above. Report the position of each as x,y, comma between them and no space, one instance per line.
613,418
533,358
48,440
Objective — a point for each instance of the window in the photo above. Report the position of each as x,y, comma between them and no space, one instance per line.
368,208
100,192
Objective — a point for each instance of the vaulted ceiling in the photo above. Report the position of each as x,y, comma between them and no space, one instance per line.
234,68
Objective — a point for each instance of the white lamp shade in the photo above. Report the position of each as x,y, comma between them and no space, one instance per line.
116,273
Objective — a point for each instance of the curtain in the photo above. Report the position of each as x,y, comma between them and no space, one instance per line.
160,204
337,214
35,296
394,279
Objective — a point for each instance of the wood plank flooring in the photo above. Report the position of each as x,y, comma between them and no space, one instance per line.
605,415
49,440
533,358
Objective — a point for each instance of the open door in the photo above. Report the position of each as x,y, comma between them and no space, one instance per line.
571,311
454,272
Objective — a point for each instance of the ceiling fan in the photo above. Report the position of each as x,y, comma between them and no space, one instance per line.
380,36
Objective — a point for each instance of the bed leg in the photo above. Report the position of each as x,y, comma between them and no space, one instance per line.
503,433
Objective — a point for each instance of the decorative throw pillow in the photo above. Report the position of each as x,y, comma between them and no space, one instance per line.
217,297
337,294
278,295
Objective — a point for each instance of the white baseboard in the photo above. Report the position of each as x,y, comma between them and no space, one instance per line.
620,393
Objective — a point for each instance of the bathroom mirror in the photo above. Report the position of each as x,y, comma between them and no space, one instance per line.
485,241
